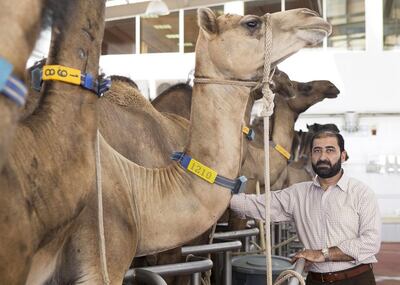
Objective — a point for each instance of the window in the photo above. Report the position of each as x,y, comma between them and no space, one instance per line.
261,7
191,30
348,24
119,37
315,5
159,33
391,24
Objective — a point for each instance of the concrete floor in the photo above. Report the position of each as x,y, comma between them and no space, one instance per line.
387,270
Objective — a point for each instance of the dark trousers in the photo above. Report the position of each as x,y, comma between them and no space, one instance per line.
366,278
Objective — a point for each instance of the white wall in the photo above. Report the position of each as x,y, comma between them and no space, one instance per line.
363,147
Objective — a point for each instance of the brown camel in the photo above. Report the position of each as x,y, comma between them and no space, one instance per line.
149,209
176,98
50,168
19,27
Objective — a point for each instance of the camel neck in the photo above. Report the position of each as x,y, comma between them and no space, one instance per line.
217,118
60,134
284,119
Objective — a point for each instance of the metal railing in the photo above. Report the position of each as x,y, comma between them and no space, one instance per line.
220,247
193,268
246,234
299,268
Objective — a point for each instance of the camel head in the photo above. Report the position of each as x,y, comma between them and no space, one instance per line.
233,46
310,93
282,85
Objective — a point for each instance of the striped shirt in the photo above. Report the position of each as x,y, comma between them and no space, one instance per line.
345,215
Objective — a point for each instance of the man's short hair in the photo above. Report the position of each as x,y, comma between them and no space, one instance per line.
326,134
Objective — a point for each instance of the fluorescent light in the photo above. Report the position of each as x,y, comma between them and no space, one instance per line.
162,27
157,7
188,44
172,36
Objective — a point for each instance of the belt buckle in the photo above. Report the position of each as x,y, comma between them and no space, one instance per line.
329,280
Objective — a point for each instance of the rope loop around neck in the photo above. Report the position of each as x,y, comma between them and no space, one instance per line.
201,80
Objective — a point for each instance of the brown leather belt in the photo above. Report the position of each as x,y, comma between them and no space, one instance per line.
331,277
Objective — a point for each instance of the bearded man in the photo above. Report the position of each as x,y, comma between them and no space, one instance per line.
336,216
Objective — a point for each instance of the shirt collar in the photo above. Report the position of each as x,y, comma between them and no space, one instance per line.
342,183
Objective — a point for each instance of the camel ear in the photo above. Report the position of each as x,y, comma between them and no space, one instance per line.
207,21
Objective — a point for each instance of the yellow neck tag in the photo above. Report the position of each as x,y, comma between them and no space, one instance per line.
282,151
61,73
202,171
246,130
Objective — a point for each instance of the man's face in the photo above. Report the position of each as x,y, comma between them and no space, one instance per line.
326,157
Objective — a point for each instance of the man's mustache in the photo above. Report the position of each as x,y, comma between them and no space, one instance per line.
323,162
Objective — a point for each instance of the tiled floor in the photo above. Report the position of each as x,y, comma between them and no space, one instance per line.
387,270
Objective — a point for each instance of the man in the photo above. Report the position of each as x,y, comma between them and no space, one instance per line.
336,217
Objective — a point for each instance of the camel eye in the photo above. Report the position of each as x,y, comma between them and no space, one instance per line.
252,24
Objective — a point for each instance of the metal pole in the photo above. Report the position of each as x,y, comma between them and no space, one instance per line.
195,278
148,277
228,268
299,267
237,234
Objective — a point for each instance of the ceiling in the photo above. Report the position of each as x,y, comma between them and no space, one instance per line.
137,7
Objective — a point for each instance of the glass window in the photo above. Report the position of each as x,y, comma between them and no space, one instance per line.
119,37
261,7
159,33
391,24
348,24
315,5
191,30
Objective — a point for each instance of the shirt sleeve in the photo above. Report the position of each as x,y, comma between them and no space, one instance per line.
253,206
368,242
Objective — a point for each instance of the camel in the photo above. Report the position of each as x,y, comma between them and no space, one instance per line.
49,170
62,242
150,208
18,34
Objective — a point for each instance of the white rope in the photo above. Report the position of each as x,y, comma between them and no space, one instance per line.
102,243
285,275
268,108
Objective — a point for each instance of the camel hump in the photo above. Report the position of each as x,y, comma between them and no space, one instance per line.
125,92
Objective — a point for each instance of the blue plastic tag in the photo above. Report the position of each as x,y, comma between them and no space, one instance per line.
6,69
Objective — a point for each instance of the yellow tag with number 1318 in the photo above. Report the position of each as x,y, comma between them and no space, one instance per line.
202,171
61,73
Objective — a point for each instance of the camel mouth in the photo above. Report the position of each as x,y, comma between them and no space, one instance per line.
332,95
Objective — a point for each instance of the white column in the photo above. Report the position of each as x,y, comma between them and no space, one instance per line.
373,25
181,31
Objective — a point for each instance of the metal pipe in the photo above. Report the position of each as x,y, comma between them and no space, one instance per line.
195,279
176,268
228,268
148,277
211,248
299,267
237,234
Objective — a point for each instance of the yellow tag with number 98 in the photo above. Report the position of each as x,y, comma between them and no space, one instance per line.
202,171
61,73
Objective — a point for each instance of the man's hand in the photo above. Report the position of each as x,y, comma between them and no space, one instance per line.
309,255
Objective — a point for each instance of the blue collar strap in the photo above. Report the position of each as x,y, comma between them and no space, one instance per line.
11,86
87,81
236,186
250,134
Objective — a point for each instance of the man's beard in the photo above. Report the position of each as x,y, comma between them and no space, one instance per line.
325,171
